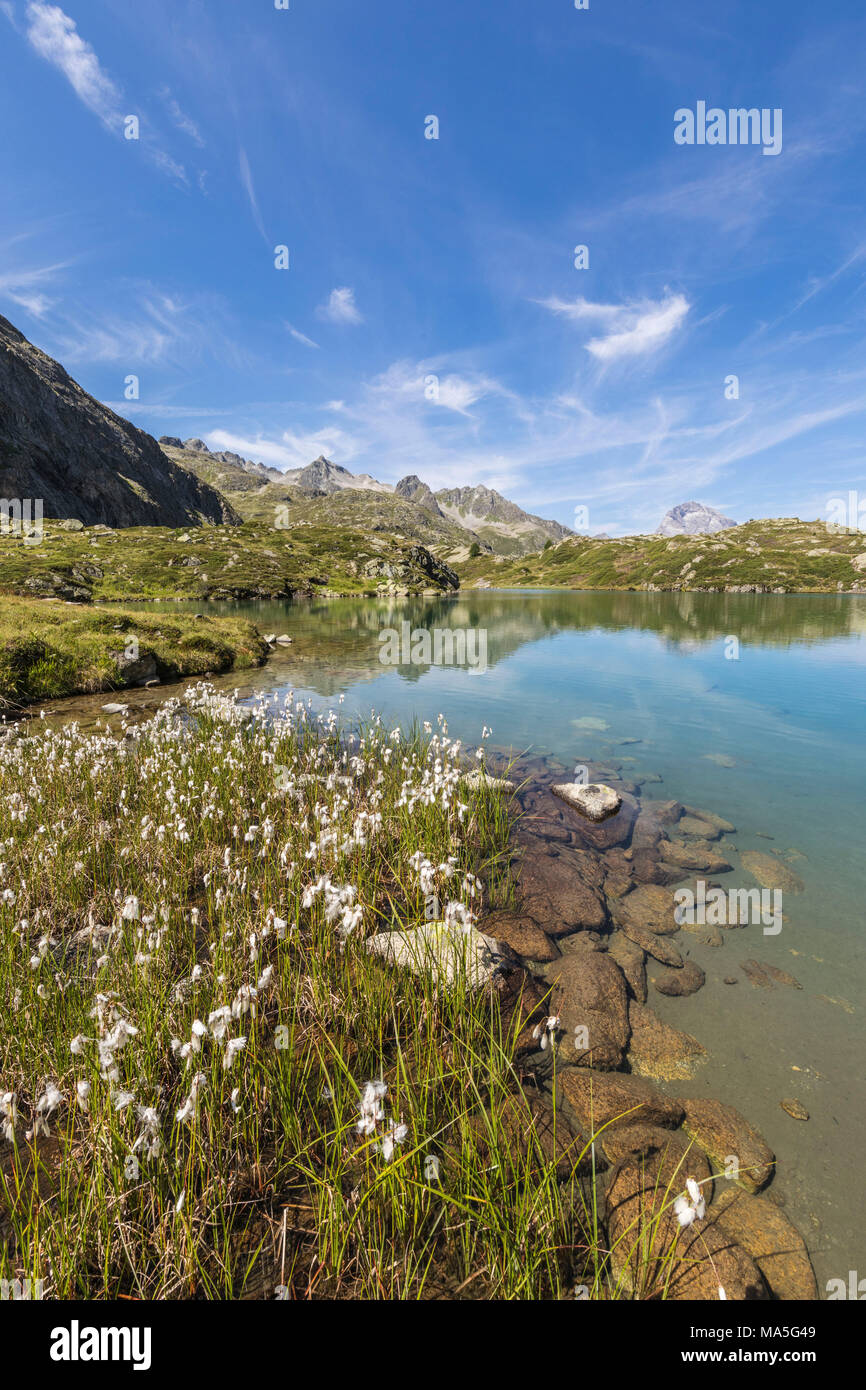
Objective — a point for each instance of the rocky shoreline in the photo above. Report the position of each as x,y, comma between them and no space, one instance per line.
594,933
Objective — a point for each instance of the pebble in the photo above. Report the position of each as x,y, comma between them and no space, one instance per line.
794,1109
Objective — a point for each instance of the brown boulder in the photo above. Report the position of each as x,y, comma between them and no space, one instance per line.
696,855
722,1131
520,933
673,1156
589,994
598,1099
631,960
659,1051
656,946
774,1243
651,907
688,980
556,898
603,835
653,1256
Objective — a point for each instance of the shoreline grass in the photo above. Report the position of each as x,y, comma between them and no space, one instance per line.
49,650
156,908
210,1088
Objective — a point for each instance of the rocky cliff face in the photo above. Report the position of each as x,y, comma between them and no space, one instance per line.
59,444
415,491
693,519
503,525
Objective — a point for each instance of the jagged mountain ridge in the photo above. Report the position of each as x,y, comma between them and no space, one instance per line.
58,444
452,519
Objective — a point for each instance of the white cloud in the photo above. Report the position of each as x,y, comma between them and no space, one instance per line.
184,123
422,385
340,307
301,337
55,37
22,288
631,330
249,186
291,450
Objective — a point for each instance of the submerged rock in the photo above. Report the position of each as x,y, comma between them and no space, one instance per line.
665,952
688,980
649,906
795,1109
631,959
774,1243
771,872
659,1051
555,896
722,1131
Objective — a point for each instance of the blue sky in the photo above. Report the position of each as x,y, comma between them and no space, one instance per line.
413,258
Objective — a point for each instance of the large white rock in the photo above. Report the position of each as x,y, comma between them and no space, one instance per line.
596,801
478,778
447,955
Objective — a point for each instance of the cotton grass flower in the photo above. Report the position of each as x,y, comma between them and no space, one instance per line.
9,1113
394,1134
546,1031
690,1206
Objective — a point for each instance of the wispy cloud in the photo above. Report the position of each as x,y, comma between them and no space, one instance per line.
22,287
425,383
55,37
301,337
250,190
184,123
631,330
159,329
340,307
291,449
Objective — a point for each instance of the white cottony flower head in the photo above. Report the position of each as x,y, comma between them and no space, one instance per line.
394,1134
10,1115
233,1047
690,1206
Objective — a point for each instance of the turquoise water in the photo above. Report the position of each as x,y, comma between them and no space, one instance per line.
774,740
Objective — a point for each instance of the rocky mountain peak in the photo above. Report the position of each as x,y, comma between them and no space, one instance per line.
693,519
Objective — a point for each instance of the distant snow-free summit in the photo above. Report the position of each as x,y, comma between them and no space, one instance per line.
693,519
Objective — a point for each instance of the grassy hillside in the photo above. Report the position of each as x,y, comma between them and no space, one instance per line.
781,556
249,561
50,649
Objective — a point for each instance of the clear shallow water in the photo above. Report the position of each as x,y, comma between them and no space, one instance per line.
774,741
